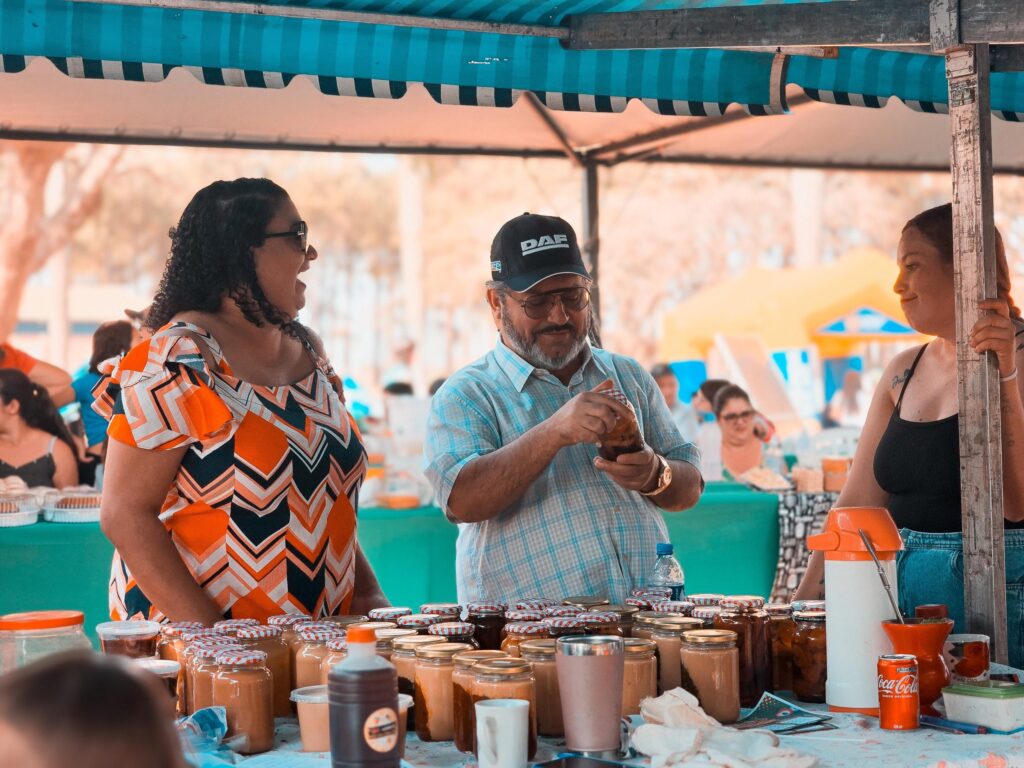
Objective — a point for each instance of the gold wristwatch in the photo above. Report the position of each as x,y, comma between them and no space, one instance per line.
664,477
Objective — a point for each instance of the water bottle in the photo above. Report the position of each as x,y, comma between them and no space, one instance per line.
668,572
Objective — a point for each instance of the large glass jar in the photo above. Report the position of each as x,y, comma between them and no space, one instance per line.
780,636
643,623
707,614
810,665
625,614
456,632
310,655
711,661
421,622
25,637
171,643
186,693
518,631
463,712
560,627
640,675
508,679
203,664
489,620
586,603
337,652
541,653
403,656
601,623
270,640
243,685
668,637
435,707
745,615
386,640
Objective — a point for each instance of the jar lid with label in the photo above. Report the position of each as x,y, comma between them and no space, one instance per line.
389,614
259,633
486,609
543,649
526,628
682,607
718,638
706,599
503,668
676,625
535,614
586,602
467,659
242,658
442,609
411,643
779,609
742,603
419,620
809,615
442,650
453,629
288,619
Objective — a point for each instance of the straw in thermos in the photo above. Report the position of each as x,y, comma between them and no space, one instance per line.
881,574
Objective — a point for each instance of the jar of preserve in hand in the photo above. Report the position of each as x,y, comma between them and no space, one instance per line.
745,615
518,631
508,679
456,632
810,665
780,635
462,692
489,620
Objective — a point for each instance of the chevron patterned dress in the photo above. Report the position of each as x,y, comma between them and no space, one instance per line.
263,507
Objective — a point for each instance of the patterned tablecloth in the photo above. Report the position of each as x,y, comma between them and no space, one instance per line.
800,515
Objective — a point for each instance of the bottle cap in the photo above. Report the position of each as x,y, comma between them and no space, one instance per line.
664,549
362,634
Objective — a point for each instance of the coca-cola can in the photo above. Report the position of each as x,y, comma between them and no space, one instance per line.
899,699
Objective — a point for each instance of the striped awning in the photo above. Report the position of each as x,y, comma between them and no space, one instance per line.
101,40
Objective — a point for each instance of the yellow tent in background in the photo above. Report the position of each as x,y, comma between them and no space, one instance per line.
791,308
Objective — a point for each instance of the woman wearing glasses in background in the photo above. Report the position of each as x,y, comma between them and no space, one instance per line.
211,416
742,446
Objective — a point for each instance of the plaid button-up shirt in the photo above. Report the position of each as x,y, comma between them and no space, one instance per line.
574,531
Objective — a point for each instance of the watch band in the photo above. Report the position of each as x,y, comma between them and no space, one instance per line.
664,477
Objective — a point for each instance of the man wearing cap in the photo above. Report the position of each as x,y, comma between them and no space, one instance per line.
511,439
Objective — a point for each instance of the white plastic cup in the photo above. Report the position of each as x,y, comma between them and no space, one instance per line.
314,717
502,733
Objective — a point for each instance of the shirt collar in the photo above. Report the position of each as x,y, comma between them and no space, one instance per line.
519,370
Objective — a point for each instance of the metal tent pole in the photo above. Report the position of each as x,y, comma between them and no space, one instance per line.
591,232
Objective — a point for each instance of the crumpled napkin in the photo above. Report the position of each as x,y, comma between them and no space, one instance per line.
677,732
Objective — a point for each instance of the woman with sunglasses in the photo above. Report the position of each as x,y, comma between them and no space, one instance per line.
741,445
229,432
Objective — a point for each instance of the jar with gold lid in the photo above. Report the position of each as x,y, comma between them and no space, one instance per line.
640,674
462,692
508,679
667,635
541,653
403,656
745,615
643,623
712,662
386,639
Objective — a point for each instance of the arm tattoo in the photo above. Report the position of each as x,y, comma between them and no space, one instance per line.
897,380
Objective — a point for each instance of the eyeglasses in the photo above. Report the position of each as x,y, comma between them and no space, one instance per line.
537,306
301,233
731,417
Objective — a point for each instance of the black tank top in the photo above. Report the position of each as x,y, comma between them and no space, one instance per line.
918,464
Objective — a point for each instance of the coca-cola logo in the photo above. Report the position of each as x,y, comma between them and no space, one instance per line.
901,686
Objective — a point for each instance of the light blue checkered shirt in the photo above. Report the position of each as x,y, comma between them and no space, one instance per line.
574,531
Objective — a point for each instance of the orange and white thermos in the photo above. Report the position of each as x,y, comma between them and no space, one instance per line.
856,603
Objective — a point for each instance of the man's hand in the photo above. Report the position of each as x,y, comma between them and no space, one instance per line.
586,419
633,471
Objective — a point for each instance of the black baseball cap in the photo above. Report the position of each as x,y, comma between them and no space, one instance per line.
531,248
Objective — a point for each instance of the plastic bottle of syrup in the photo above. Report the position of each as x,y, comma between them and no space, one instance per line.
668,572
363,696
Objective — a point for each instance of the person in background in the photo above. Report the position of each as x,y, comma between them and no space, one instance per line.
110,340
398,388
908,455
682,414
85,710
56,381
35,443
139,318
849,406
233,468
709,435
742,449
511,439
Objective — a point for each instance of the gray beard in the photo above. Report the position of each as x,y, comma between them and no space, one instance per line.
531,352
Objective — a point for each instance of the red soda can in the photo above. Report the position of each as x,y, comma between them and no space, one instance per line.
899,699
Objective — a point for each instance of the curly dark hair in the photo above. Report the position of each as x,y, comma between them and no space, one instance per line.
212,254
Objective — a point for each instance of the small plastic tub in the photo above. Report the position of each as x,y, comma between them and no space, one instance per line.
314,717
992,703
135,639
404,704
165,669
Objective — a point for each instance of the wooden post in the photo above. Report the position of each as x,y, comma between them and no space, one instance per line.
981,462
591,232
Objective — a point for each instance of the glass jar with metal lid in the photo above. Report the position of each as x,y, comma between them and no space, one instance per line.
189,662
287,622
711,661
643,623
640,674
745,615
403,656
270,640
387,637
463,714
679,607
489,620
171,643
600,623
706,599
780,636
559,627
532,604
453,610
541,653
810,664
667,634
508,679
337,652
433,692
242,685
625,614
391,613
202,661
518,631
706,614
585,603
456,632
421,622
310,655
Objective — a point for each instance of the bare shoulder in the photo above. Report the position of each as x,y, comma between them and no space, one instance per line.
898,371
315,340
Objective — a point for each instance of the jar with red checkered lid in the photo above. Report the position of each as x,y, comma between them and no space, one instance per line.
456,632
518,631
244,686
489,620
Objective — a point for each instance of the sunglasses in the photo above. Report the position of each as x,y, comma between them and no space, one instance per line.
301,233
538,306
731,417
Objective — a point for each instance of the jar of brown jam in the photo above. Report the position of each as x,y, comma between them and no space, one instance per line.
186,694
270,640
434,691
643,623
489,620
134,639
518,631
337,651
403,656
310,655
386,639
421,622
558,627
707,614
780,634
541,653
678,607
508,679
712,662
640,674
391,613
585,603
810,665
456,632
745,615
242,685
667,635
202,663
451,611
600,623
463,713
171,643
706,600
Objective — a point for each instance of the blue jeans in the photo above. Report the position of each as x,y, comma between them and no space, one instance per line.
930,569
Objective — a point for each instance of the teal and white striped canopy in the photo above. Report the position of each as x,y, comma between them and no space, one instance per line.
98,40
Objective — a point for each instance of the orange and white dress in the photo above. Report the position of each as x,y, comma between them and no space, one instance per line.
263,507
